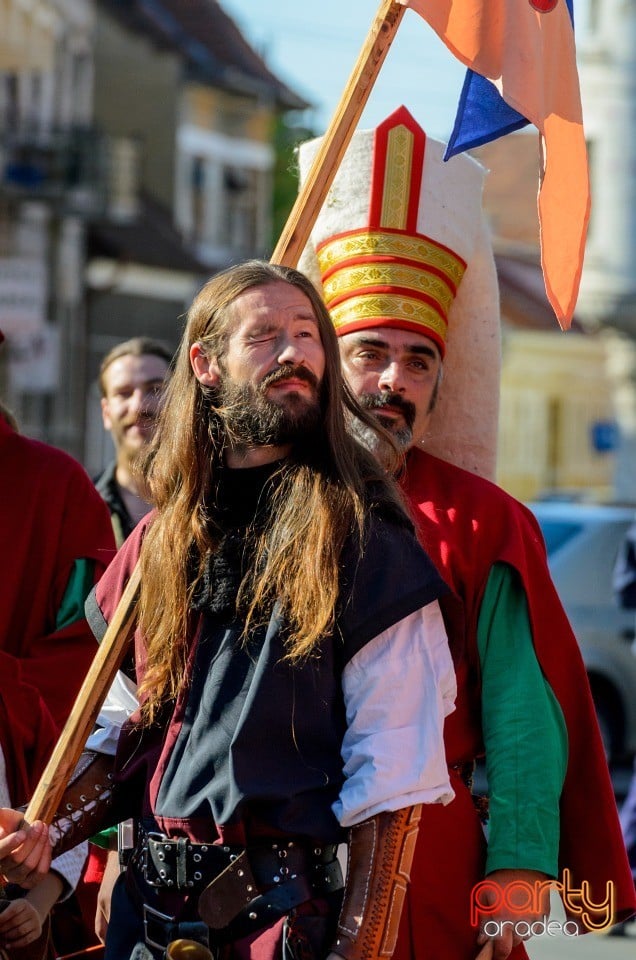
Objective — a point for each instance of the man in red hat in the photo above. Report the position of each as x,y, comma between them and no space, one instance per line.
56,541
403,256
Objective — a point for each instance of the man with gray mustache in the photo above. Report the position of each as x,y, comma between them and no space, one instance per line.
402,254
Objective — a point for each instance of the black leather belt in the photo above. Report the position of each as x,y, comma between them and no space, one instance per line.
184,865
240,891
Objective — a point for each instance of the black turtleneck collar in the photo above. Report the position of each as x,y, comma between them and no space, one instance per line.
241,508
242,494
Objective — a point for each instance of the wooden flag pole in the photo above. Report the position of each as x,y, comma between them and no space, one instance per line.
110,653
48,793
336,140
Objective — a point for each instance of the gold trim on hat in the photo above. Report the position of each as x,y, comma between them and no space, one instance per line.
418,249
397,178
371,306
353,279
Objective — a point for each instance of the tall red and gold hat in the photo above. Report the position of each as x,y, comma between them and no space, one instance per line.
402,241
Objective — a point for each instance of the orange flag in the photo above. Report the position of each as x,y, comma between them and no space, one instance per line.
526,49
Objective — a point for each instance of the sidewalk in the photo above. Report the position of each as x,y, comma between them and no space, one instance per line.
588,947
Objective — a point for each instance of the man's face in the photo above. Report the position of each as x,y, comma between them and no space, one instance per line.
268,378
130,406
395,373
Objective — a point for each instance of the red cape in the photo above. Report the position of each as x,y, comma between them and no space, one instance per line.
51,516
467,524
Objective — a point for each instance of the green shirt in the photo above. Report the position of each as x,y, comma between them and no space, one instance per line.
525,735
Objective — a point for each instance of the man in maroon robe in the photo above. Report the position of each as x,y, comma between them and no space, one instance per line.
404,259
55,539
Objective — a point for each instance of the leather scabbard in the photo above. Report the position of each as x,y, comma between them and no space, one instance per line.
378,870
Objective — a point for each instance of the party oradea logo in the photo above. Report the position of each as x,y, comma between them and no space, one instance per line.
527,902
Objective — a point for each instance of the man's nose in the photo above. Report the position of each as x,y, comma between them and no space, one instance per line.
141,400
391,378
291,351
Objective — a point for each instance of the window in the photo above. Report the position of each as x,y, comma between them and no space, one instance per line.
9,101
240,201
197,183
558,532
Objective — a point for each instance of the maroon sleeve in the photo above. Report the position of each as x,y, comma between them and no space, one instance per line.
102,602
56,661
50,516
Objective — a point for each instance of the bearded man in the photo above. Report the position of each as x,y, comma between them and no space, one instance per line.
402,252
131,380
293,666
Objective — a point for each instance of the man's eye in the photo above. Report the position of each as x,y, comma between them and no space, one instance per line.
261,337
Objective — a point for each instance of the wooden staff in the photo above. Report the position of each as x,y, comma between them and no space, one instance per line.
48,793
110,653
310,199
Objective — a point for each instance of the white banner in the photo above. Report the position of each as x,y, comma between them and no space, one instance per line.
34,361
23,296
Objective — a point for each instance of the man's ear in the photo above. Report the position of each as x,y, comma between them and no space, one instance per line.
106,420
206,369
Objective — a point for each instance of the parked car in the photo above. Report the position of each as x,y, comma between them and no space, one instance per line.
582,541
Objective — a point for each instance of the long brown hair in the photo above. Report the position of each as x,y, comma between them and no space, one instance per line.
319,502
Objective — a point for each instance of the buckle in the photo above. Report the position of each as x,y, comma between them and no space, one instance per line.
155,875
157,924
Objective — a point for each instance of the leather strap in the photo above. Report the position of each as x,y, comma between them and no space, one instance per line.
234,908
379,866
86,802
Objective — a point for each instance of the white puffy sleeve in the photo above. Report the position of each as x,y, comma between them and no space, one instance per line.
121,701
397,689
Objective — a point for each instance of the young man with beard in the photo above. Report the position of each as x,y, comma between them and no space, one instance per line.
293,666
132,377
131,380
402,253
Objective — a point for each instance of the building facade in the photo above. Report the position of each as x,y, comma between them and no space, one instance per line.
136,159
49,186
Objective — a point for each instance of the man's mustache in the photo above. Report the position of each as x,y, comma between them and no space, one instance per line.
377,401
289,372
142,419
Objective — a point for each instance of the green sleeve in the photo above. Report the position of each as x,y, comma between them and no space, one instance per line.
107,839
80,583
525,736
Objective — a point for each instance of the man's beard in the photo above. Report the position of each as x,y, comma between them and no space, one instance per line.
250,418
134,451
403,434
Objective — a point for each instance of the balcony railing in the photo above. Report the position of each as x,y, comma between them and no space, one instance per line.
83,171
